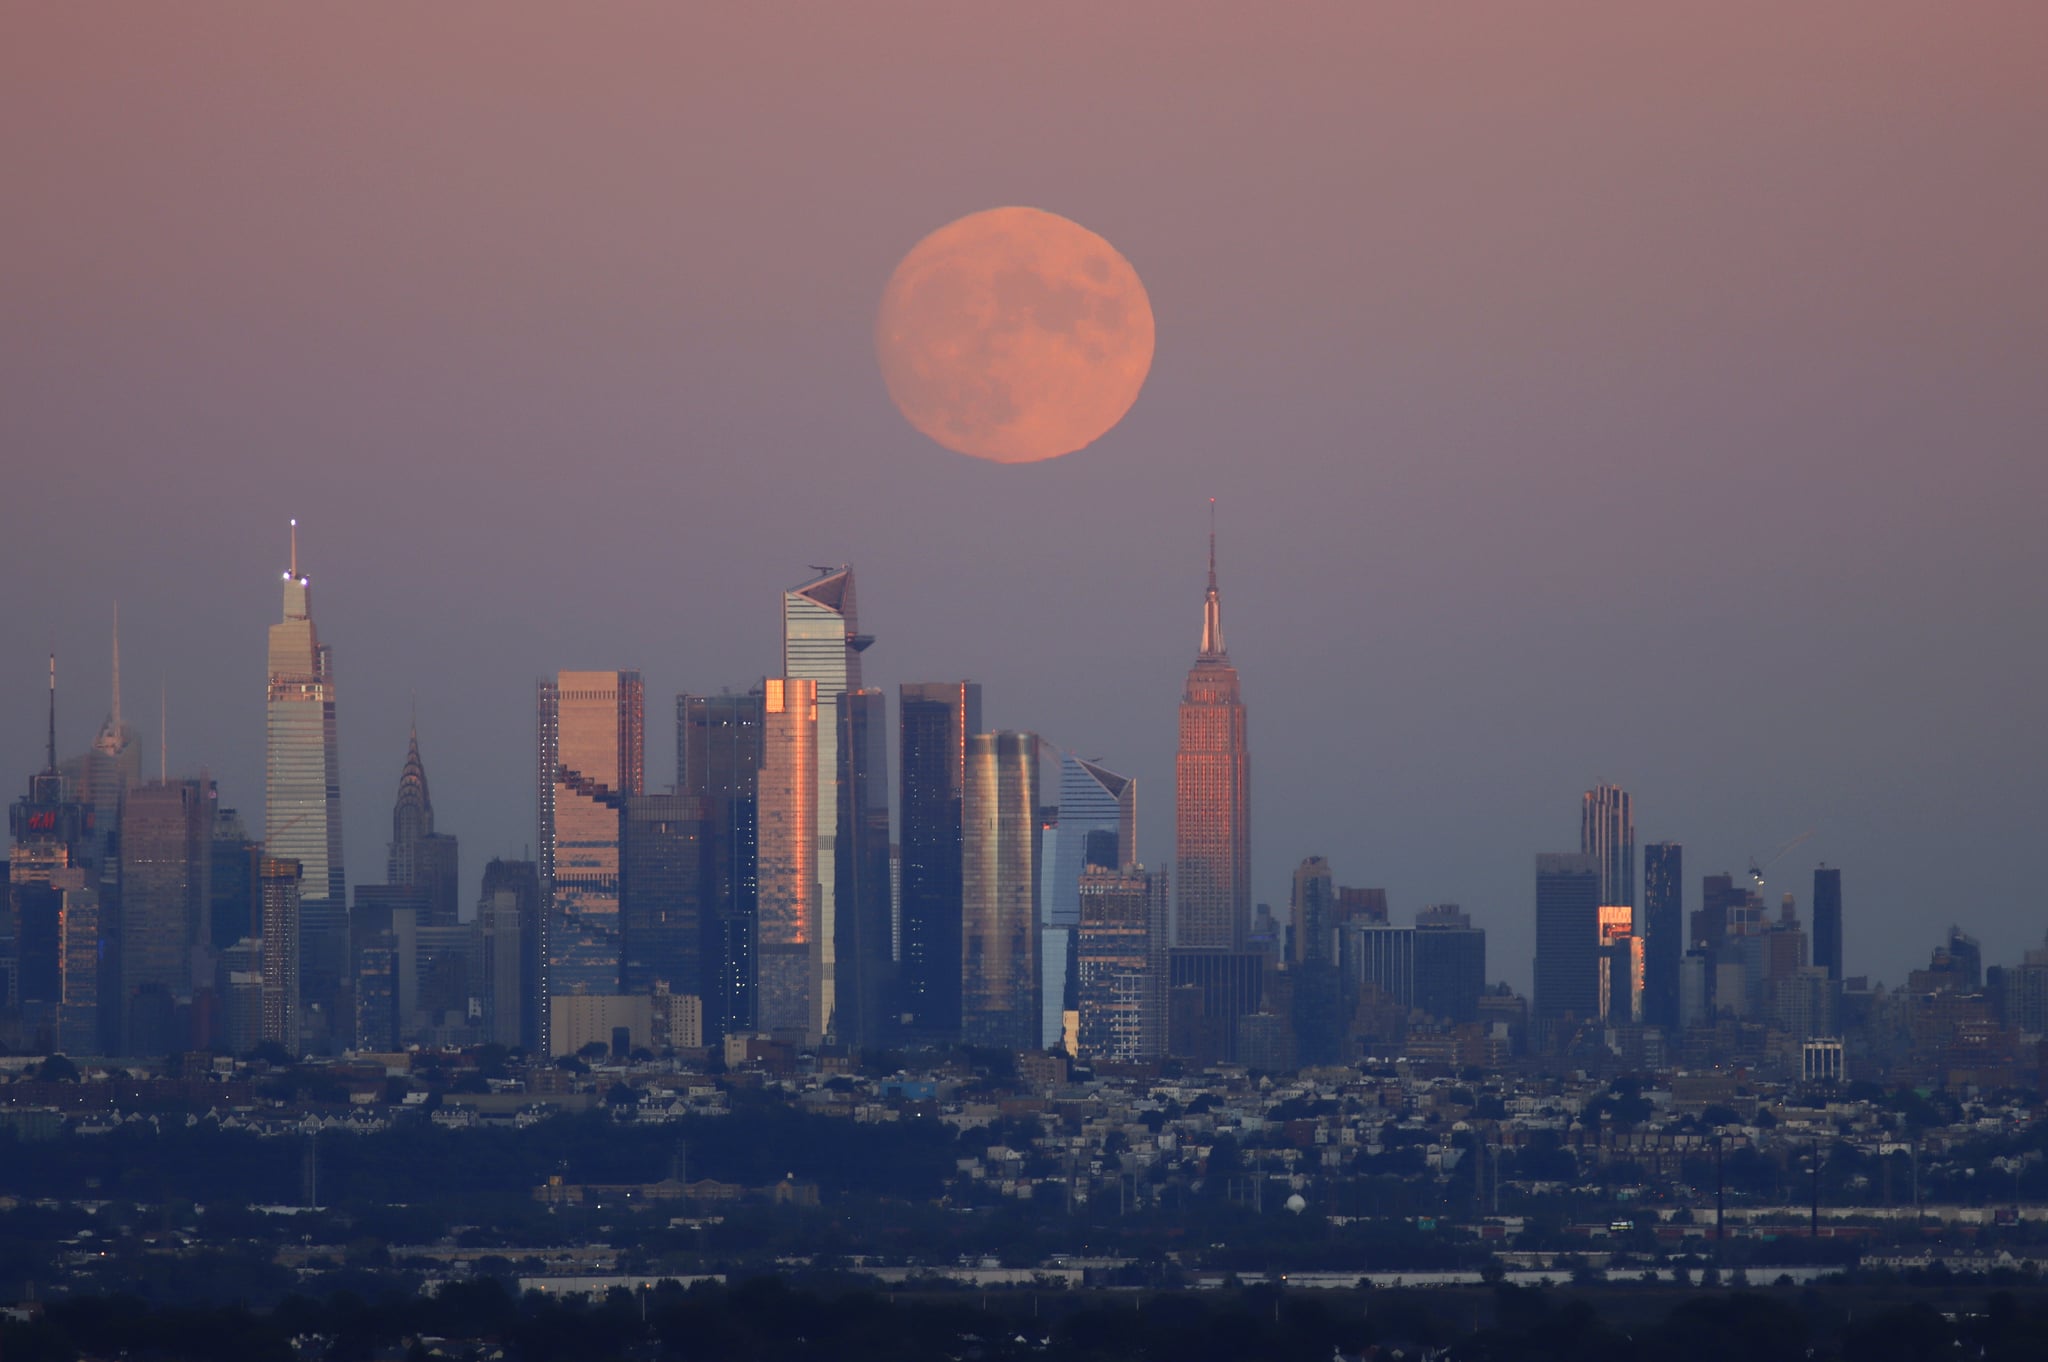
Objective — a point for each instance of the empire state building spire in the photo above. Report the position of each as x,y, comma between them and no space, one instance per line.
1212,604
1212,792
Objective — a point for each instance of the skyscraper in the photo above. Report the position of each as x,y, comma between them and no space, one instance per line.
113,762
1097,826
822,644
166,854
1212,793
1121,964
1663,925
53,907
718,761
302,788
1827,921
510,912
278,881
1314,911
1450,963
661,901
1607,833
1567,937
420,858
591,761
860,871
786,924
999,967
936,721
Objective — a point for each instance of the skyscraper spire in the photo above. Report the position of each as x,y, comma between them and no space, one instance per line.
51,764
117,670
295,547
1212,604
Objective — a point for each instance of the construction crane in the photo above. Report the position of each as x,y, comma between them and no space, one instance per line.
1759,864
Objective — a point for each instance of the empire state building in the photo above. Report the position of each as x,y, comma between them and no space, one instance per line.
1212,794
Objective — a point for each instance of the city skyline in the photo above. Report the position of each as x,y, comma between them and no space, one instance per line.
1625,400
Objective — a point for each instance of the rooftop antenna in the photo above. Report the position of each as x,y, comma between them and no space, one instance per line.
163,740
295,548
52,753
117,672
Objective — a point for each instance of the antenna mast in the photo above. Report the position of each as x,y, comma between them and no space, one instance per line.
53,712
295,548
117,673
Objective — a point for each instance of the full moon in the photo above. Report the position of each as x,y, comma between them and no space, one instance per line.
1014,335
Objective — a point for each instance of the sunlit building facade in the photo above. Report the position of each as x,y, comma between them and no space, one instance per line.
786,946
302,786
1607,833
1000,878
822,644
591,761
1212,795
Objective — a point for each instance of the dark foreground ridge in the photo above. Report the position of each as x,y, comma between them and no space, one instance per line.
769,1318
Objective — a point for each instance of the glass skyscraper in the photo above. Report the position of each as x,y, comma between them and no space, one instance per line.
786,947
860,873
1097,827
1567,937
718,761
822,644
1827,921
591,761
1663,926
1607,833
999,966
302,789
1212,795
936,721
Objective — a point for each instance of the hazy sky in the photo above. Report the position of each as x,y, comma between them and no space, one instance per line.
1642,393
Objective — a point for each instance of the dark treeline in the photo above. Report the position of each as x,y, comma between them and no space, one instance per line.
418,1161
772,1320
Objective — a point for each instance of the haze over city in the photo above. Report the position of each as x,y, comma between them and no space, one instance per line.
1587,396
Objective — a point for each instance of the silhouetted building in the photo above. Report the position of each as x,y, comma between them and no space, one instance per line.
420,857
1000,879
662,924
166,855
718,761
1607,833
1208,991
1314,912
1450,963
787,884
591,759
1664,942
865,945
510,915
936,720
1095,825
1827,921
1567,937
231,912
1212,795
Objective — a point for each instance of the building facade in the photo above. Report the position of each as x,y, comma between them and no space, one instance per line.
1212,795
1000,985
302,788
936,721
1663,924
592,757
1567,938
822,644
1607,833
786,948
718,761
